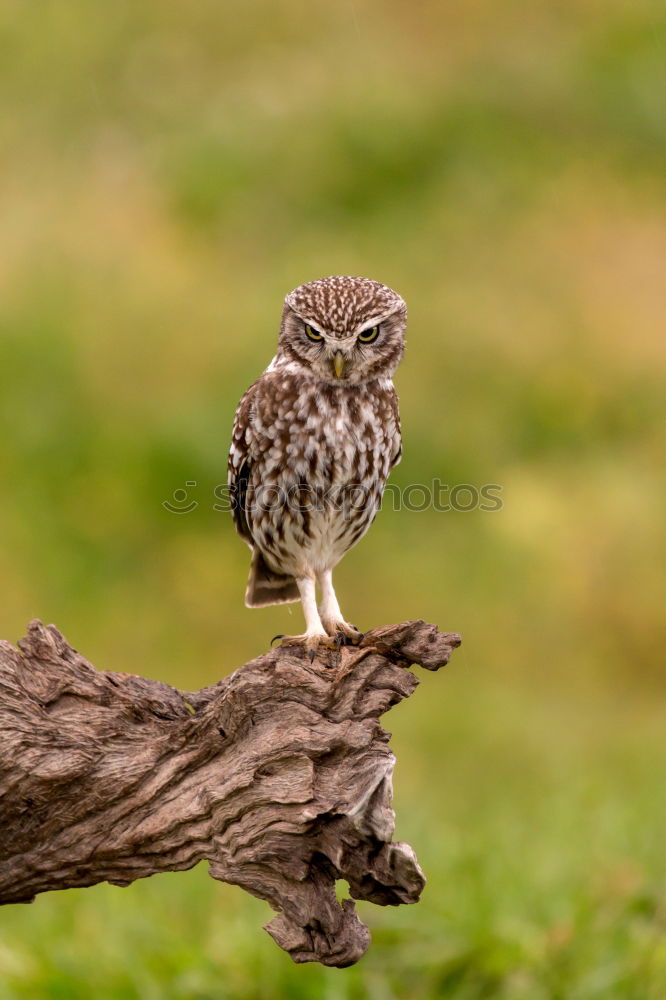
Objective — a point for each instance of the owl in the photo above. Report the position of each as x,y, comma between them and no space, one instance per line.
313,442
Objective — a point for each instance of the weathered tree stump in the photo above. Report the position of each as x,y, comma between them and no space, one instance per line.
279,776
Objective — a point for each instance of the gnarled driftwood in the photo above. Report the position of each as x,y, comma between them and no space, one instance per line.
279,775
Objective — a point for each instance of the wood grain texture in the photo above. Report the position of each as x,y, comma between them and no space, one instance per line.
280,776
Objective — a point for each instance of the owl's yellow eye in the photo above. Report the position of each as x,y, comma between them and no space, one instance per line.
313,334
367,336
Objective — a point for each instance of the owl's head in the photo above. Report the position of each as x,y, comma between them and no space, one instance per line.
343,329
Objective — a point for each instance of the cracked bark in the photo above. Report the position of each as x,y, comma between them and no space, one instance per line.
280,776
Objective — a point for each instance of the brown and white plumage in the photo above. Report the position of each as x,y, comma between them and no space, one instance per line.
313,442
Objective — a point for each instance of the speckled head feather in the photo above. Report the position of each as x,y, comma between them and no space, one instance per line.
343,305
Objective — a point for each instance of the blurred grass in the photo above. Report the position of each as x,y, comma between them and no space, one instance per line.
168,173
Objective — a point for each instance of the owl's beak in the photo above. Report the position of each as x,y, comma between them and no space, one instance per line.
339,363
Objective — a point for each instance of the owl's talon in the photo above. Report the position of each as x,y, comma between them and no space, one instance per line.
280,635
344,640
344,633
312,643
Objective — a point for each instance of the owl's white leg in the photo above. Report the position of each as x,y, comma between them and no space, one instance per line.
331,615
315,635
313,625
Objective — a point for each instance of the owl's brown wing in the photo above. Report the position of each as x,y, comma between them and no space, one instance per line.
394,430
240,463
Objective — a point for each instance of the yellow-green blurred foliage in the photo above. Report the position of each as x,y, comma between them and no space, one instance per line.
169,171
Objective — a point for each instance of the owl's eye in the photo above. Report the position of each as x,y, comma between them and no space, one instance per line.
312,334
367,336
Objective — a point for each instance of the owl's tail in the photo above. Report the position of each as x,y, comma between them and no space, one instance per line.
266,587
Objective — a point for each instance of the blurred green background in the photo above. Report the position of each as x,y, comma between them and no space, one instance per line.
169,172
